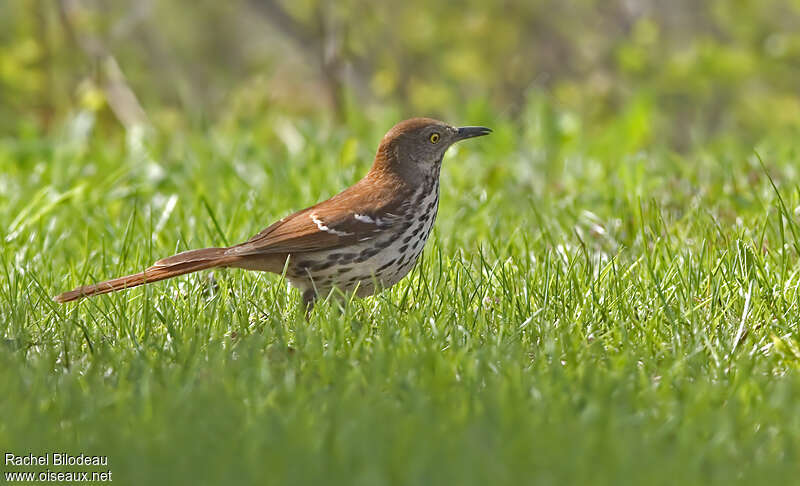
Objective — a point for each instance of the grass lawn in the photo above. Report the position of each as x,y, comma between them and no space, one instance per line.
590,309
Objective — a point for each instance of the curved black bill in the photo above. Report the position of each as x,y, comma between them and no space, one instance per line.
469,132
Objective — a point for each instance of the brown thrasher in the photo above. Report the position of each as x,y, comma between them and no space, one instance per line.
367,237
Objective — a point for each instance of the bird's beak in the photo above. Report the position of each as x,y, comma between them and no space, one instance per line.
469,132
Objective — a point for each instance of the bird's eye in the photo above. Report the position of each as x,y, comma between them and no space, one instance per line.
435,137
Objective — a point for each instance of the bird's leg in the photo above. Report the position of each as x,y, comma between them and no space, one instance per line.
309,296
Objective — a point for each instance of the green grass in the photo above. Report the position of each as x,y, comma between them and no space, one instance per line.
588,311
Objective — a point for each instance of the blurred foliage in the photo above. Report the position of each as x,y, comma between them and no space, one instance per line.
682,71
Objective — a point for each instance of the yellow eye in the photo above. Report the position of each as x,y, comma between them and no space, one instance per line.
435,138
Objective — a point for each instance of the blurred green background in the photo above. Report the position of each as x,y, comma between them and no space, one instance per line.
683,71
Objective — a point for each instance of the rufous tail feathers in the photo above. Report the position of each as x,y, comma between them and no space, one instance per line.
180,264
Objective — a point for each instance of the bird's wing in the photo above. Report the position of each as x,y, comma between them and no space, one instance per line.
345,219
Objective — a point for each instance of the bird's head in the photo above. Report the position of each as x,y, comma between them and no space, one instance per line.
415,147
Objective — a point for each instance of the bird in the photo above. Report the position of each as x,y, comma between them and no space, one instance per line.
363,240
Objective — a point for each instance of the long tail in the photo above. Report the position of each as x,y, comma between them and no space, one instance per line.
180,264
